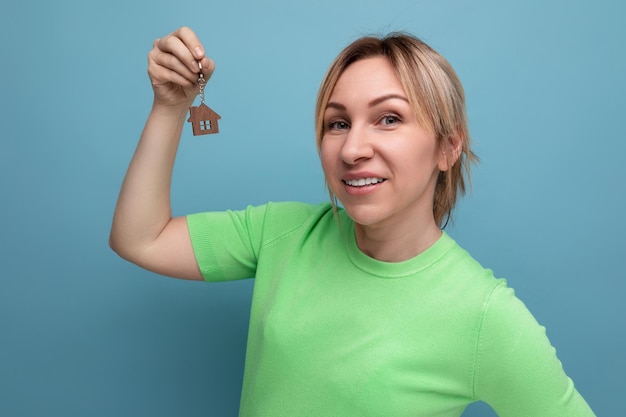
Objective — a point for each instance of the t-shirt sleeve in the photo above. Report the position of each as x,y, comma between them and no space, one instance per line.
517,371
226,244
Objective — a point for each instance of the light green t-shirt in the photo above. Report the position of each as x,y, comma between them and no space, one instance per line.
336,333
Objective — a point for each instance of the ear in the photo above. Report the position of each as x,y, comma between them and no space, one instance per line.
449,151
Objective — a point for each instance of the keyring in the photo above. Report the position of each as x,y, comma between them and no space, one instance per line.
201,79
203,119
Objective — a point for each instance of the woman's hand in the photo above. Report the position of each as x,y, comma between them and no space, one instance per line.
174,66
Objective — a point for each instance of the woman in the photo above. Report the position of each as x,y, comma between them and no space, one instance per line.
365,310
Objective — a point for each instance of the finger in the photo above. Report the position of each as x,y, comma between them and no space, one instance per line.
162,55
160,75
194,46
172,48
191,41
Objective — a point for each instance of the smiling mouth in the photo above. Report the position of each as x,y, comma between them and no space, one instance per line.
362,182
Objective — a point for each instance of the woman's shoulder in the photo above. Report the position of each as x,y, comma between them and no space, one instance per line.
292,213
461,264
468,278
492,294
296,208
278,220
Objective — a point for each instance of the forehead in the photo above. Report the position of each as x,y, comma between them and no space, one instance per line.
368,77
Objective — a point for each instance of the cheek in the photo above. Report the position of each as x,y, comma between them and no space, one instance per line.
327,157
427,153
421,163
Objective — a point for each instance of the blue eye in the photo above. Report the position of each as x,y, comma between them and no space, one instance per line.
389,120
338,125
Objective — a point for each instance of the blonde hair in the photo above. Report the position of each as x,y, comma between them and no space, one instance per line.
436,95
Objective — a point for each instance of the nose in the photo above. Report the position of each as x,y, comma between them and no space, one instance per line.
357,146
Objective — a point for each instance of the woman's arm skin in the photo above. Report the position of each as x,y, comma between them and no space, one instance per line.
143,229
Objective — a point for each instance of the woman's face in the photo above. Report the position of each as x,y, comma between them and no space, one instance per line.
379,162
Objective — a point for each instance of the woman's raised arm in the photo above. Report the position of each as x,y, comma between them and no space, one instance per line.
144,231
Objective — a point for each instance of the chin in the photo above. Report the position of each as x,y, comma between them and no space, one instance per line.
364,216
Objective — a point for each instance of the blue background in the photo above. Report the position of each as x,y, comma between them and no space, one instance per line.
83,333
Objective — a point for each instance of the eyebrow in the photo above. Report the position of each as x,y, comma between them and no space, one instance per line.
379,100
375,102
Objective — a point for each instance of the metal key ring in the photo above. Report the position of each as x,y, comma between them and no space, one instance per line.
201,79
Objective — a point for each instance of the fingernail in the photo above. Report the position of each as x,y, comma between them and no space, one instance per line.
199,52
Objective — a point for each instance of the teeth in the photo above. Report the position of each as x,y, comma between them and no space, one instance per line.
363,181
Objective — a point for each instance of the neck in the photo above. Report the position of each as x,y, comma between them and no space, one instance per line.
396,244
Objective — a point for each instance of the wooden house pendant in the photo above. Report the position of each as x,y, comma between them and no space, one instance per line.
202,117
203,120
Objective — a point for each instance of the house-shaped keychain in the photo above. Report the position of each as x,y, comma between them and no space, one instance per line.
204,120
